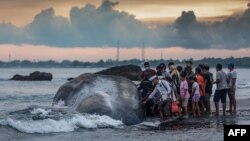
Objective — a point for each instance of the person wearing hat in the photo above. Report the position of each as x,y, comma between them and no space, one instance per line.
163,88
232,76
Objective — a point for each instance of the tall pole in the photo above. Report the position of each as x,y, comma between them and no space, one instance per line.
9,57
161,54
118,52
143,52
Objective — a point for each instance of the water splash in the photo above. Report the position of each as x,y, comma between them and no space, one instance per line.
48,122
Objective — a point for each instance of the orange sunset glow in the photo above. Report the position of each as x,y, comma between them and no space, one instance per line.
28,52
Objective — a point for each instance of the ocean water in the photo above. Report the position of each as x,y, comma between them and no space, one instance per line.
26,114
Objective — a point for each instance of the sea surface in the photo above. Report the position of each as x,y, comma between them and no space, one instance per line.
26,114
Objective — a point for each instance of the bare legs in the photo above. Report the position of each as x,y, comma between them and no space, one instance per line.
224,108
202,106
220,95
185,110
162,115
195,106
208,108
232,103
216,108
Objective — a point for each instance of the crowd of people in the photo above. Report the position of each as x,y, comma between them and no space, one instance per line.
178,91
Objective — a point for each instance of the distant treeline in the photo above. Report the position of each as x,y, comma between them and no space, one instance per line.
239,63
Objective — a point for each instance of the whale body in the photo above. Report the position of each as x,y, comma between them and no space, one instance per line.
114,96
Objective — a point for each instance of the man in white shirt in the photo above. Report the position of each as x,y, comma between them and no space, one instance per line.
163,88
232,76
221,89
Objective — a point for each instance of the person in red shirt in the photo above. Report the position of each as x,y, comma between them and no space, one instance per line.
201,83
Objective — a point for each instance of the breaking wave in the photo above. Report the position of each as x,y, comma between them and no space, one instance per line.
63,124
243,85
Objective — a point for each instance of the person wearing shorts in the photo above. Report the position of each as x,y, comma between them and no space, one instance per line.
221,89
184,93
195,96
232,76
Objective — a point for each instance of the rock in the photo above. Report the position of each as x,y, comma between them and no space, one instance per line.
19,77
109,95
71,78
131,72
34,76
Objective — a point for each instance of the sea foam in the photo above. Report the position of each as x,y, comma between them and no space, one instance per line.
64,124
243,85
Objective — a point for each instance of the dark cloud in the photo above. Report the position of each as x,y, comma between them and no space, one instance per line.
233,32
87,26
10,34
103,26
49,29
190,32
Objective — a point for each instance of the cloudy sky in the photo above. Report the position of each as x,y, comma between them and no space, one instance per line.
21,12
39,29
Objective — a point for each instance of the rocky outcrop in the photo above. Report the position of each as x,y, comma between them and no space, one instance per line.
131,72
34,76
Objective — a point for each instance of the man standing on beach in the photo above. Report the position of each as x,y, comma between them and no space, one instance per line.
232,75
221,89
208,77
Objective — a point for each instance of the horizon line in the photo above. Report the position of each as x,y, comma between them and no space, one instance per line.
114,60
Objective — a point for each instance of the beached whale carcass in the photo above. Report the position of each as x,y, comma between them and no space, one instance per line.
114,96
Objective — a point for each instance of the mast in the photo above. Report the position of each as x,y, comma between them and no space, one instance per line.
118,52
161,54
143,52
9,57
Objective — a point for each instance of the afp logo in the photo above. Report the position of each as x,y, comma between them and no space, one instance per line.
236,132
241,132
